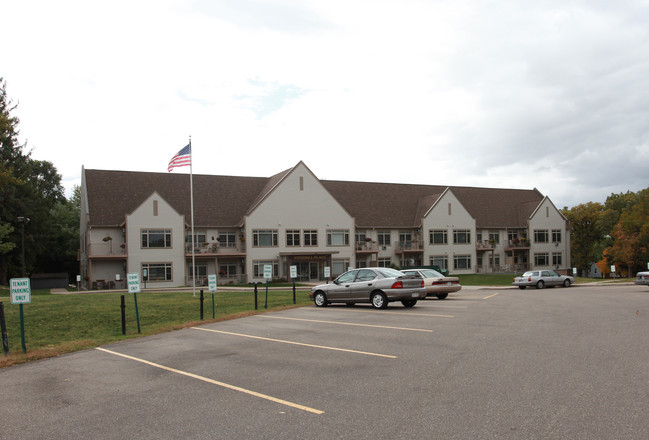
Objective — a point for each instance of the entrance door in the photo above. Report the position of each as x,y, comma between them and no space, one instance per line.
313,271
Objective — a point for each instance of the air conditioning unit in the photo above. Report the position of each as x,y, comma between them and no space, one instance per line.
384,248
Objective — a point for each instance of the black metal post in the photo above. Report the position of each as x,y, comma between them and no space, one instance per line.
293,291
123,307
3,329
255,296
202,298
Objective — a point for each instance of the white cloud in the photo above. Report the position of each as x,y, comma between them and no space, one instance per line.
549,94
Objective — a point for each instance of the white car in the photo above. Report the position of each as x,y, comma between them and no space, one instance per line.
541,279
642,278
436,284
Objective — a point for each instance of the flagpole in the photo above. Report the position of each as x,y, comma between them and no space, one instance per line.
191,205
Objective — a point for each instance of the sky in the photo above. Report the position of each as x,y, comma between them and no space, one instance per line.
546,94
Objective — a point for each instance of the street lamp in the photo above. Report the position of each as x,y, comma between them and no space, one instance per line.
23,220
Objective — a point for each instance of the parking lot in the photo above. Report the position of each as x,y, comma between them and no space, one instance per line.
485,363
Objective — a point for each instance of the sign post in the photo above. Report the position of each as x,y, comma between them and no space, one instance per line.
293,277
268,275
21,293
133,280
211,283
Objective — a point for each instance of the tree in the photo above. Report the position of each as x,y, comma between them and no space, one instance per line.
587,234
6,246
29,188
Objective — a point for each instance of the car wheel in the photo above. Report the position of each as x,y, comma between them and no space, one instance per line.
522,287
566,283
320,299
540,284
409,302
379,300
441,295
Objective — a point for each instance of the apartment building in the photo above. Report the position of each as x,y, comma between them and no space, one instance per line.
141,222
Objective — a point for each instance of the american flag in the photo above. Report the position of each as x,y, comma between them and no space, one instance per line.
182,159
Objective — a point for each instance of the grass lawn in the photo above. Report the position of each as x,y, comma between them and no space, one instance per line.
57,324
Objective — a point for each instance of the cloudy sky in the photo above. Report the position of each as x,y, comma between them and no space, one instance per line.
547,94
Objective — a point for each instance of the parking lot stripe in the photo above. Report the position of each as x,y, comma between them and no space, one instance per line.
296,343
391,312
443,306
490,296
347,323
215,382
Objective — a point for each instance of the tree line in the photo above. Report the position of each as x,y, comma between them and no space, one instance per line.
33,208
615,233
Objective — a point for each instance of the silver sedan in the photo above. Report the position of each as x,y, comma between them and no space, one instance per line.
542,278
375,285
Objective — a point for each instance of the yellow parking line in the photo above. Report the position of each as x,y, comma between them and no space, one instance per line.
491,296
215,382
346,323
296,343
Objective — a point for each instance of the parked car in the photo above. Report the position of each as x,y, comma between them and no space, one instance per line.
542,278
436,284
375,285
642,278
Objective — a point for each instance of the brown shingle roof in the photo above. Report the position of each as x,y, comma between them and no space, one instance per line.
218,200
224,200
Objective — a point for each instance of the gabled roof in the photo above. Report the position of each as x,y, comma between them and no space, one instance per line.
224,201
218,200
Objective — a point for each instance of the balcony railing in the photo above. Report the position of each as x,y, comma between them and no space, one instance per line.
410,246
106,249
367,246
215,248
517,243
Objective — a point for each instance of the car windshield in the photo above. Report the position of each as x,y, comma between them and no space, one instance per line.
430,273
388,272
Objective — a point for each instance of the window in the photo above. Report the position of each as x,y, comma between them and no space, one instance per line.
365,275
494,260
512,235
556,258
462,236
311,237
541,236
339,266
438,236
338,237
264,238
156,238
199,238
541,259
227,270
462,261
227,239
405,240
556,235
258,267
495,236
384,262
293,237
157,271
478,237
201,271
384,238
360,237
439,260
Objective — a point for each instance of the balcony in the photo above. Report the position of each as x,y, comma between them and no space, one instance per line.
409,246
107,250
485,245
216,249
367,247
517,244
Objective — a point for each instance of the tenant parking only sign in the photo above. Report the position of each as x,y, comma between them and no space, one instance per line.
21,292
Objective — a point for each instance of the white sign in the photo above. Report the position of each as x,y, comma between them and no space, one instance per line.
117,277
78,278
21,292
268,271
293,272
211,282
574,271
327,271
613,268
133,282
